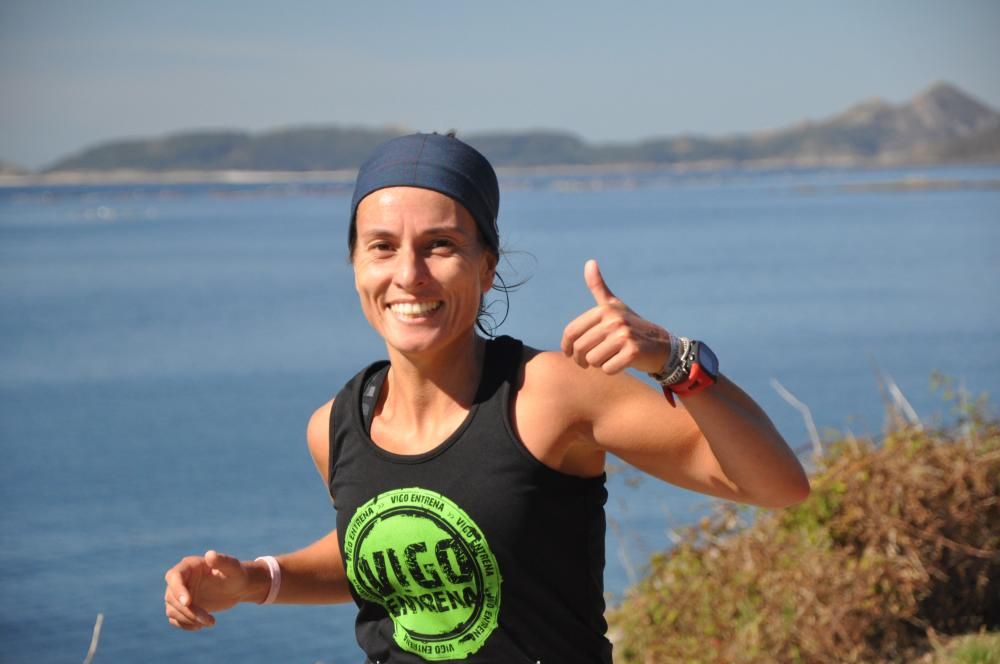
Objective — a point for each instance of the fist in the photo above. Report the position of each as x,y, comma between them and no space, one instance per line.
198,586
611,336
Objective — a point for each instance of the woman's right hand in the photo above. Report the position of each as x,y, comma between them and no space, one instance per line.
198,586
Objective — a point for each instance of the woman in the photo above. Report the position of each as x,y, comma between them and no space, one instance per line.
468,474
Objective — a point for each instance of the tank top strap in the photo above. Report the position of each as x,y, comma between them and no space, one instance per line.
350,405
502,364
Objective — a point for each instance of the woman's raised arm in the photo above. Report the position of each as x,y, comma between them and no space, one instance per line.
721,442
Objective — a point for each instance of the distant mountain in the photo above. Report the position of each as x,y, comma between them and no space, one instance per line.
941,124
873,131
980,147
299,149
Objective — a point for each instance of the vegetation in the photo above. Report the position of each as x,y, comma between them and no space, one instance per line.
299,149
896,551
942,124
969,649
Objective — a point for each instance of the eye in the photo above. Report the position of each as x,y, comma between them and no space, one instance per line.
379,247
441,243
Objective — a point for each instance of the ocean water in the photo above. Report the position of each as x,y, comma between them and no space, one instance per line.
162,348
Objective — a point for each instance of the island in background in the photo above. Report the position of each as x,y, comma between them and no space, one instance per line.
941,125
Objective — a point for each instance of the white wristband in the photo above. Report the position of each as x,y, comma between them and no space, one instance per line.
275,569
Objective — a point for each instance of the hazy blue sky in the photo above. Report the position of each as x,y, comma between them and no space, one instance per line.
73,73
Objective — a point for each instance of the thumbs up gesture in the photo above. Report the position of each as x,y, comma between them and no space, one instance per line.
611,336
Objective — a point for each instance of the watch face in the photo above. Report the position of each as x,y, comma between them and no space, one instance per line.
708,361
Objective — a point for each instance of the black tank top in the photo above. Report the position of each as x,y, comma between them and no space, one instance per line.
473,551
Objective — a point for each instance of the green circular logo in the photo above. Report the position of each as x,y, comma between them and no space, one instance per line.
421,557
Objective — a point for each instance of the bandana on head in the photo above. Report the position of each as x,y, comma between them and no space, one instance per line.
441,163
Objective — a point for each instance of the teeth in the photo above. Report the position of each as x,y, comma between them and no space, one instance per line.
414,308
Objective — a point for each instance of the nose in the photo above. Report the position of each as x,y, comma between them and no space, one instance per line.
411,269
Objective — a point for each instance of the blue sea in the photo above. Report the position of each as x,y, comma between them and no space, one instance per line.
162,347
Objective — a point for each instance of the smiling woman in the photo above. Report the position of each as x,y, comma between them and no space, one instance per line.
420,268
468,473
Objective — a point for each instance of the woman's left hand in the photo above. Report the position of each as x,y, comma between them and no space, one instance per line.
611,336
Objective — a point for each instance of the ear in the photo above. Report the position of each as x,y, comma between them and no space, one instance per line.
487,270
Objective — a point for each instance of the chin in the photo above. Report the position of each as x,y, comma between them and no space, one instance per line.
420,340
411,338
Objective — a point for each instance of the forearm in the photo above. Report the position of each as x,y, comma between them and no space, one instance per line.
312,575
723,445
748,448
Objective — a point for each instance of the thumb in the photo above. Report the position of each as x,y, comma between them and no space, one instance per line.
595,282
223,565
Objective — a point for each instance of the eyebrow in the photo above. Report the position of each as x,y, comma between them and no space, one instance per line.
375,232
433,230
444,229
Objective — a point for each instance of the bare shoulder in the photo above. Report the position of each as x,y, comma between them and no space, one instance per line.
545,364
612,411
553,412
318,438
549,372
552,367
574,391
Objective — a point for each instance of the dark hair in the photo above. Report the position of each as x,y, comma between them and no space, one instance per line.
485,314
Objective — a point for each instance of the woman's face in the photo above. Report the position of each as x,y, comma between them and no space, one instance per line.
419,268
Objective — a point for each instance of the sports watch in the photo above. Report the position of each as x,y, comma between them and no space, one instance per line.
696,368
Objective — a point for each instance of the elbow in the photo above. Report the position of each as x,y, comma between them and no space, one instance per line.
794,493
791,492
800,492
791,486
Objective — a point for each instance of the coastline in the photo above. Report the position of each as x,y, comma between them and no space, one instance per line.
135,176
345,177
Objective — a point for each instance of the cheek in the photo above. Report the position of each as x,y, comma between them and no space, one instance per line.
358,287
367,276
364,286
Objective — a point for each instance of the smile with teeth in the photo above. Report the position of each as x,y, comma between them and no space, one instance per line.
414,309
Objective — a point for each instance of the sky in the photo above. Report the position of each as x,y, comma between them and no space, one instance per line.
74,74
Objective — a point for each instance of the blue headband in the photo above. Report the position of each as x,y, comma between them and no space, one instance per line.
441,163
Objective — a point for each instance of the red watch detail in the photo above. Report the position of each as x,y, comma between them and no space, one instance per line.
696,381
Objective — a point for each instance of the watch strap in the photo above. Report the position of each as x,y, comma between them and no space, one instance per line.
689,376
697,380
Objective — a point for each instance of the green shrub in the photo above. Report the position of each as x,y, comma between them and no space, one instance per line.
899,541
969,649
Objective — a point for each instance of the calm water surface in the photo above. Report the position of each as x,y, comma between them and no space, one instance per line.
163,347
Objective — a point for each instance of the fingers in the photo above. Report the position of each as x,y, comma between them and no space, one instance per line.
597,336
601,338
178,576
605,299
610,335
595,282
578,327
583,347
222,565
182,581
184,616
611,352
